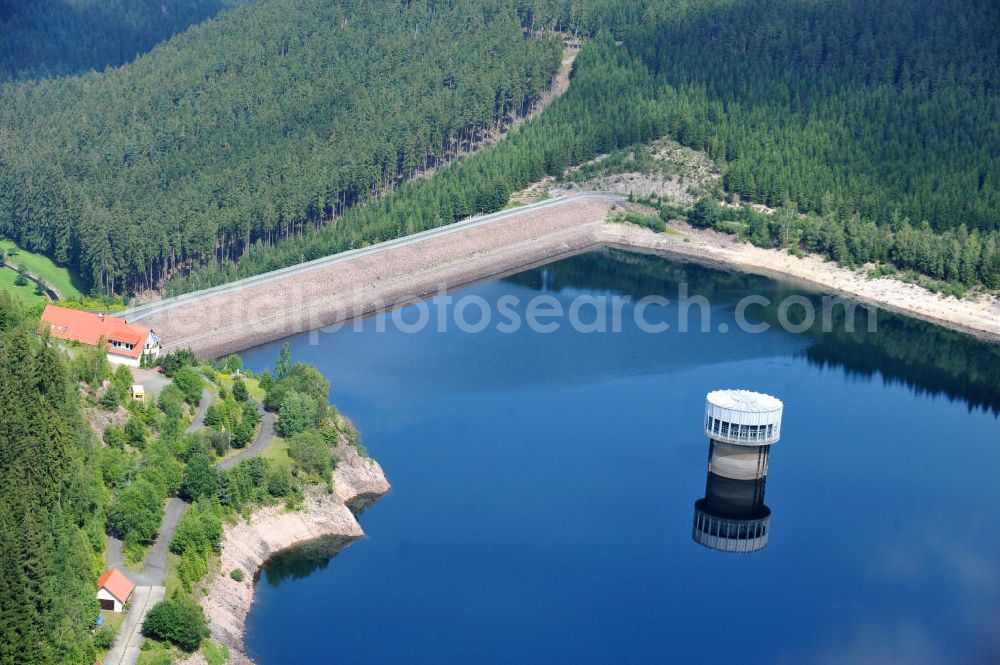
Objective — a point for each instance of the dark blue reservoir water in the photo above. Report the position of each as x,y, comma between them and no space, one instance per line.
544,488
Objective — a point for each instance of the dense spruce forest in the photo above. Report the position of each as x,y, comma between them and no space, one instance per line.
879,120
57,37
52,502
66,487
254,127
897,164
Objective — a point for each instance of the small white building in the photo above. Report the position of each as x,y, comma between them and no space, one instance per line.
114,590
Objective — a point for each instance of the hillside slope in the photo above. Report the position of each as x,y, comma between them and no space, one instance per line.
269,120
59,37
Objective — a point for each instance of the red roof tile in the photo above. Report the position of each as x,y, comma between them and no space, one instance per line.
117,584
88,328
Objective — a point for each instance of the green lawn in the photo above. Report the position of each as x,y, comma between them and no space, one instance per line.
59,278
215,654
154,652
277,450
253,385
25,293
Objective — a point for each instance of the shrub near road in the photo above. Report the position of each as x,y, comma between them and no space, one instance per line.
179,620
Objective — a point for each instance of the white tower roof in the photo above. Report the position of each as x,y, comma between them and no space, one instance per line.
745,401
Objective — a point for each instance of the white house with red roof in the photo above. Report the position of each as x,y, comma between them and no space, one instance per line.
124,341
114,590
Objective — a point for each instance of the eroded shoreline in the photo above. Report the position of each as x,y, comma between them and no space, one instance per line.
248,544
979,318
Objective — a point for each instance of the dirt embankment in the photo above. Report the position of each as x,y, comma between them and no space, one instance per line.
330,294
249,543
979,317
236,320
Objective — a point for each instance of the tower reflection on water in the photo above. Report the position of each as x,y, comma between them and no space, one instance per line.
741,426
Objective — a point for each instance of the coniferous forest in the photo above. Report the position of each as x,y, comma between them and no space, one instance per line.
52,502
59,37
230,149
254,127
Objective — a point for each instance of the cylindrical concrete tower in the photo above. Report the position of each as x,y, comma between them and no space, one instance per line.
741,426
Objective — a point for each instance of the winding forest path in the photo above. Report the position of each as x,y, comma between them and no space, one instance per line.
149,589
264,438
149,581
199,418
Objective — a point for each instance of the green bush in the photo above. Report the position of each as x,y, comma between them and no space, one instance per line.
310,451
161,467
649,221
240,392
122,381
280,482
105,637
190,383
213,415
114,436
117,466
171,401
199,530
242,433
175,360
237,574
201,479
217,441
135,514
198,535
135,431
178,620
295,414
232,363
109,400
191,568
245,483
90,365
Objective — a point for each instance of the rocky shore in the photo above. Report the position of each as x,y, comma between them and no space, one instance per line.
979,317
248,544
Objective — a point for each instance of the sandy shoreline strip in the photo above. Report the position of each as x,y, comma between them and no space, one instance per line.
977,317
240,319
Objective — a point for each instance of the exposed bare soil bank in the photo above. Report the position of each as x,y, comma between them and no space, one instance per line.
248,544
663,170
979,317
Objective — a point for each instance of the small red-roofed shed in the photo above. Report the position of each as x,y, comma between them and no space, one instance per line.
114,590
